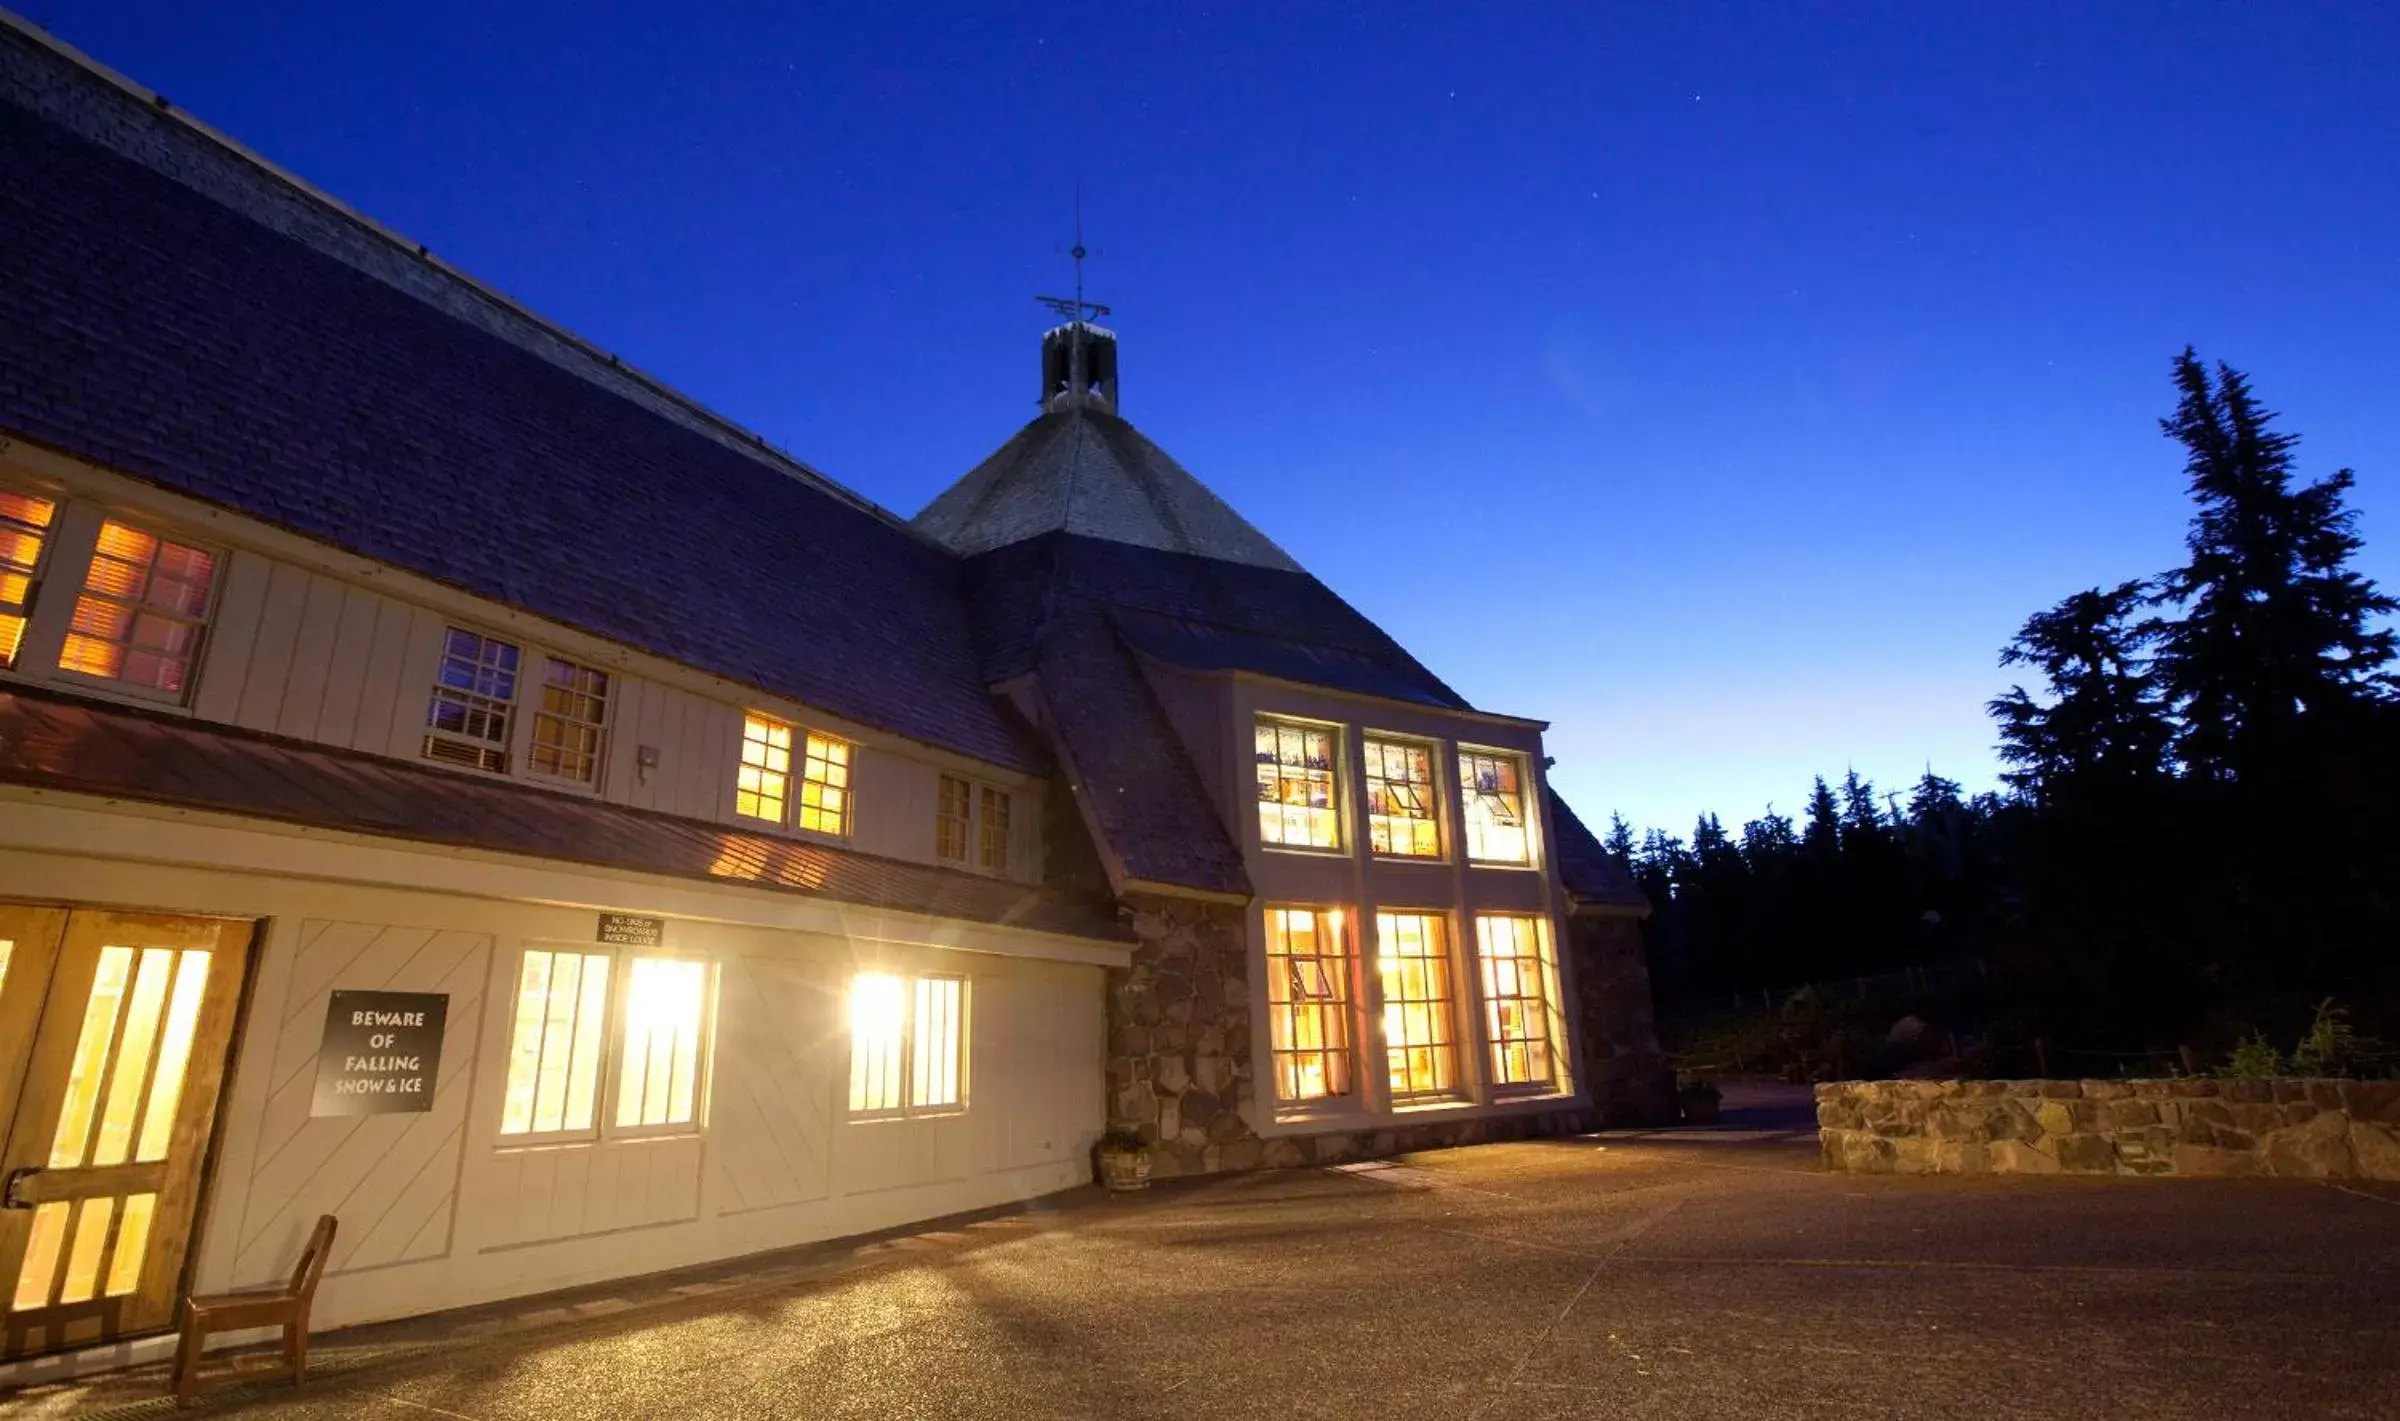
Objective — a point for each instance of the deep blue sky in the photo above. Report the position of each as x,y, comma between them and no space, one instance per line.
1721,383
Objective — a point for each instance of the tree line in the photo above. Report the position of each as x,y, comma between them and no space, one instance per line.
2197,834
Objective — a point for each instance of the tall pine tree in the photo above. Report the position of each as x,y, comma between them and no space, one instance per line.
2104,729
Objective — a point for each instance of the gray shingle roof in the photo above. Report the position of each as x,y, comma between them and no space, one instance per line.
1086,471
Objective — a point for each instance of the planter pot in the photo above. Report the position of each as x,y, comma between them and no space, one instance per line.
1125,1169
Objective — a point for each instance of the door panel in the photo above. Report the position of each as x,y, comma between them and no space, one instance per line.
101,1168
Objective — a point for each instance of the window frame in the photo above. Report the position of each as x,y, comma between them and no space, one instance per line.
800,806
1552,1042
975,825
75,531
1345,1008
1527,806
603,731
609,1067
510,745
45,560
1369,741
1455,1005
911,983
782,819
1336,772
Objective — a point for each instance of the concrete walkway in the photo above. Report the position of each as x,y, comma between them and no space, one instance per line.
1697,1274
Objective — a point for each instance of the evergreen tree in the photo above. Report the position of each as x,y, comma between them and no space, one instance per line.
1822,839
1769,841
1933,800
2275,641
2104,728
1860,816
1619,842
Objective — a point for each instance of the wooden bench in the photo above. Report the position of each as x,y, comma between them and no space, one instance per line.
285,1307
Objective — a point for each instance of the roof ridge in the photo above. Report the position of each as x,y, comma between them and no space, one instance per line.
595,365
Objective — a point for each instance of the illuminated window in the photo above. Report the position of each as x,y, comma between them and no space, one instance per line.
765,776
1401,820
474,695
952,817
143,607
1308,1002
569,723
1492,785
554,1046
992,834
1412,957
907,1044
1519,991
24,531
1295,785
666,1010
825,785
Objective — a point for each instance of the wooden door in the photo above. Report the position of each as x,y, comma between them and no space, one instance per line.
120,1024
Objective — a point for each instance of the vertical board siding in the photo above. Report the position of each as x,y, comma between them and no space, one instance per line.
391,1179
271,654
379,693
346,668
312,659
545,1193
232,635
779,1046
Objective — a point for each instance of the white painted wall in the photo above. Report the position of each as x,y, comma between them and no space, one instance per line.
438,1209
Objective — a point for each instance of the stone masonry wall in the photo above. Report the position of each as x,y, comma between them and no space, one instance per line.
1627,1077
1179,1057
2308,1129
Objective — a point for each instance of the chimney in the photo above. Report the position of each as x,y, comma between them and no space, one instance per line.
1079,367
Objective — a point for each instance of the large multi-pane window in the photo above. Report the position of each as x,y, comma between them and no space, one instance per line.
474,699
24,531
762,783
558,1043
992,834
1491,786
907,1044
1520,987
143,607
1420,1007
1295,784
570,722
953,819
825,785
1308,1003
1401,818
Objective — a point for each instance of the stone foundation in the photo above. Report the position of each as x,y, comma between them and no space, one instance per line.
1179,1049
2305,1129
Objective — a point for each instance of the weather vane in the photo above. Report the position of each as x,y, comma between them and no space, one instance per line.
1078,308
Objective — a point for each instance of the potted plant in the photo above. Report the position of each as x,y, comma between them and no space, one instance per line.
1698,1101
1124,1158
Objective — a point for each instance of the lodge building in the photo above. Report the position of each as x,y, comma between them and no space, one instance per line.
451,781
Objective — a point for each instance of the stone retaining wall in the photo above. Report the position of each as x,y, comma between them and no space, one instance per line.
2307,1129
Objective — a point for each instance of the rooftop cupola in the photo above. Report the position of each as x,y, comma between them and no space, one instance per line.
1079,364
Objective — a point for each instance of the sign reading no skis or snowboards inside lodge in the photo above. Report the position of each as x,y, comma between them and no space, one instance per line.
380,1053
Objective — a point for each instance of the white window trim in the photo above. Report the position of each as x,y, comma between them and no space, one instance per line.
976,790
1529,795
612,1051
1436,752
908,1053
521,737
58,583
1341,846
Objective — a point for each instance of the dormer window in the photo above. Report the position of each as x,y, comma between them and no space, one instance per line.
971,824
1295,784
1491,787
825,785
1402,821
143,607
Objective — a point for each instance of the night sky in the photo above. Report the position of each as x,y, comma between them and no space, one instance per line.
1723,384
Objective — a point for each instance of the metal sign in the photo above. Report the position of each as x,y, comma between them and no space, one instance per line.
627,930
381,1054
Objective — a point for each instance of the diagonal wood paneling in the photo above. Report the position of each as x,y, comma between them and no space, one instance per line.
391,1179
778,1062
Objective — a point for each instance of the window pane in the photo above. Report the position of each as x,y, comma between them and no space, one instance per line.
554,1041
665,1008
950,819
879,1008
993,852
474,695
139,616
24,531
1295,785
1400,800
1412,956
761,783
825,785
1492,788
1514,954
1308,1002
938,1030
567,729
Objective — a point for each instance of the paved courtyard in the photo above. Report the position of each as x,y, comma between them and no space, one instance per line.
1680,1274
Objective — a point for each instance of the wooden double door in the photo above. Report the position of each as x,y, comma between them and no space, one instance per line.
114,1030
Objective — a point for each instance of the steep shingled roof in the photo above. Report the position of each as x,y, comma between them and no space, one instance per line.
151,328
1084,470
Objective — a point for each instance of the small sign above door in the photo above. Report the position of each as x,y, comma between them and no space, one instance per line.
627,930
381,1054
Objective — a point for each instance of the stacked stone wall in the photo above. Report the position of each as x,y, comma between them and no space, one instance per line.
1628,1079
2307,1129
